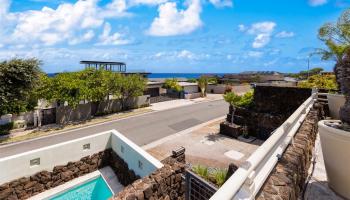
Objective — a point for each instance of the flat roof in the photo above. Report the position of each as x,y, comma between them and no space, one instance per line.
101,62
187,84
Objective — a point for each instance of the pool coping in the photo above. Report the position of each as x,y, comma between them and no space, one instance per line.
46,195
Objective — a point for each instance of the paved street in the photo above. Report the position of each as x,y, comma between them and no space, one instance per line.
141,129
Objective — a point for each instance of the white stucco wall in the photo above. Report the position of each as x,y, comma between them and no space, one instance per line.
191,89
17,166
133,154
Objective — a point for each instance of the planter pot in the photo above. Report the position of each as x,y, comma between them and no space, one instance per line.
335,101
335,148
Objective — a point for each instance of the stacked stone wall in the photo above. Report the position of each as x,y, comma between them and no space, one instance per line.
287,180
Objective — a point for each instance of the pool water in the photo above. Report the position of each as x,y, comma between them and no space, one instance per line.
96,189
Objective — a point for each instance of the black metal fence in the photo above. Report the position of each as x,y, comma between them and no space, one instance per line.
197,188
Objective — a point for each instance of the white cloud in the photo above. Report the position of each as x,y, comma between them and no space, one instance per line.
108,38
172,21
242,27
87,36
185,54
221,3
317,2
255,54
70,23
284,34
262,27
145,2
262,32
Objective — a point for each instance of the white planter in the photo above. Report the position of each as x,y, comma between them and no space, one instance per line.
335,101
336,148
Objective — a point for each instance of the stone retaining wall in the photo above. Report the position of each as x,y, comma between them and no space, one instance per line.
26,187
287,180
271,106
165,183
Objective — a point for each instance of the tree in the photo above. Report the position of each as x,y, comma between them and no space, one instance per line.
69,87
336,37
131,86
238,101
18,78
203,83
97,83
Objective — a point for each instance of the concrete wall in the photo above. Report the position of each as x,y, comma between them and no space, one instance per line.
138,159
65,114
18,165
27,116
221,88
191,89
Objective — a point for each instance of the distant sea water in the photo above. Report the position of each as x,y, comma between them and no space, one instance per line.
181,75
170,75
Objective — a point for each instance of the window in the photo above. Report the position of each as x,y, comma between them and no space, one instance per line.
86,146
140,165
34,162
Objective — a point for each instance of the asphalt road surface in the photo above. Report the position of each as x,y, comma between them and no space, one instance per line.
141,129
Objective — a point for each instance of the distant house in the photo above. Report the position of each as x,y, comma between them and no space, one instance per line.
119,67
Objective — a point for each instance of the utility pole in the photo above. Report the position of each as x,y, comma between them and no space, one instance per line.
308,66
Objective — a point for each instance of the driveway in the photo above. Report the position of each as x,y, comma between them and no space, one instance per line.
141,129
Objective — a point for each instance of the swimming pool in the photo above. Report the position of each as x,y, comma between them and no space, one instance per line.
96,189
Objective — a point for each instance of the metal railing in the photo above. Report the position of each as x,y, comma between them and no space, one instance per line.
197,188
246,182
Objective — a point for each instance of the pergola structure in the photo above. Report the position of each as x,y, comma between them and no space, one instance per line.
111,66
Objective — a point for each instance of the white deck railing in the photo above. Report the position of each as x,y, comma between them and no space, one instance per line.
246,182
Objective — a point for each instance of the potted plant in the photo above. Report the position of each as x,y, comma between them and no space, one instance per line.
335,134
228,127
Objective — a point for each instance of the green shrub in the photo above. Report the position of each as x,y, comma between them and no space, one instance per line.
5,128
220,176
201,171
241,101
320,81
172,84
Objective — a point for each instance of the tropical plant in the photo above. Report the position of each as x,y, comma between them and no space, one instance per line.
320,81
238,101
201,171
18,78
203,84
220,176
336,37
172,84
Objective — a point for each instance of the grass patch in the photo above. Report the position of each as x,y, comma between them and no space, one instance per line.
216,176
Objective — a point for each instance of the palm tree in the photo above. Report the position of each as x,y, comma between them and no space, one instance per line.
336,37
203,83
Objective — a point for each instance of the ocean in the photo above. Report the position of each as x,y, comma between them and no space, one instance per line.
170,75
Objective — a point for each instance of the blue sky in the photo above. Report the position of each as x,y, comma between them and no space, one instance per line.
168,35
